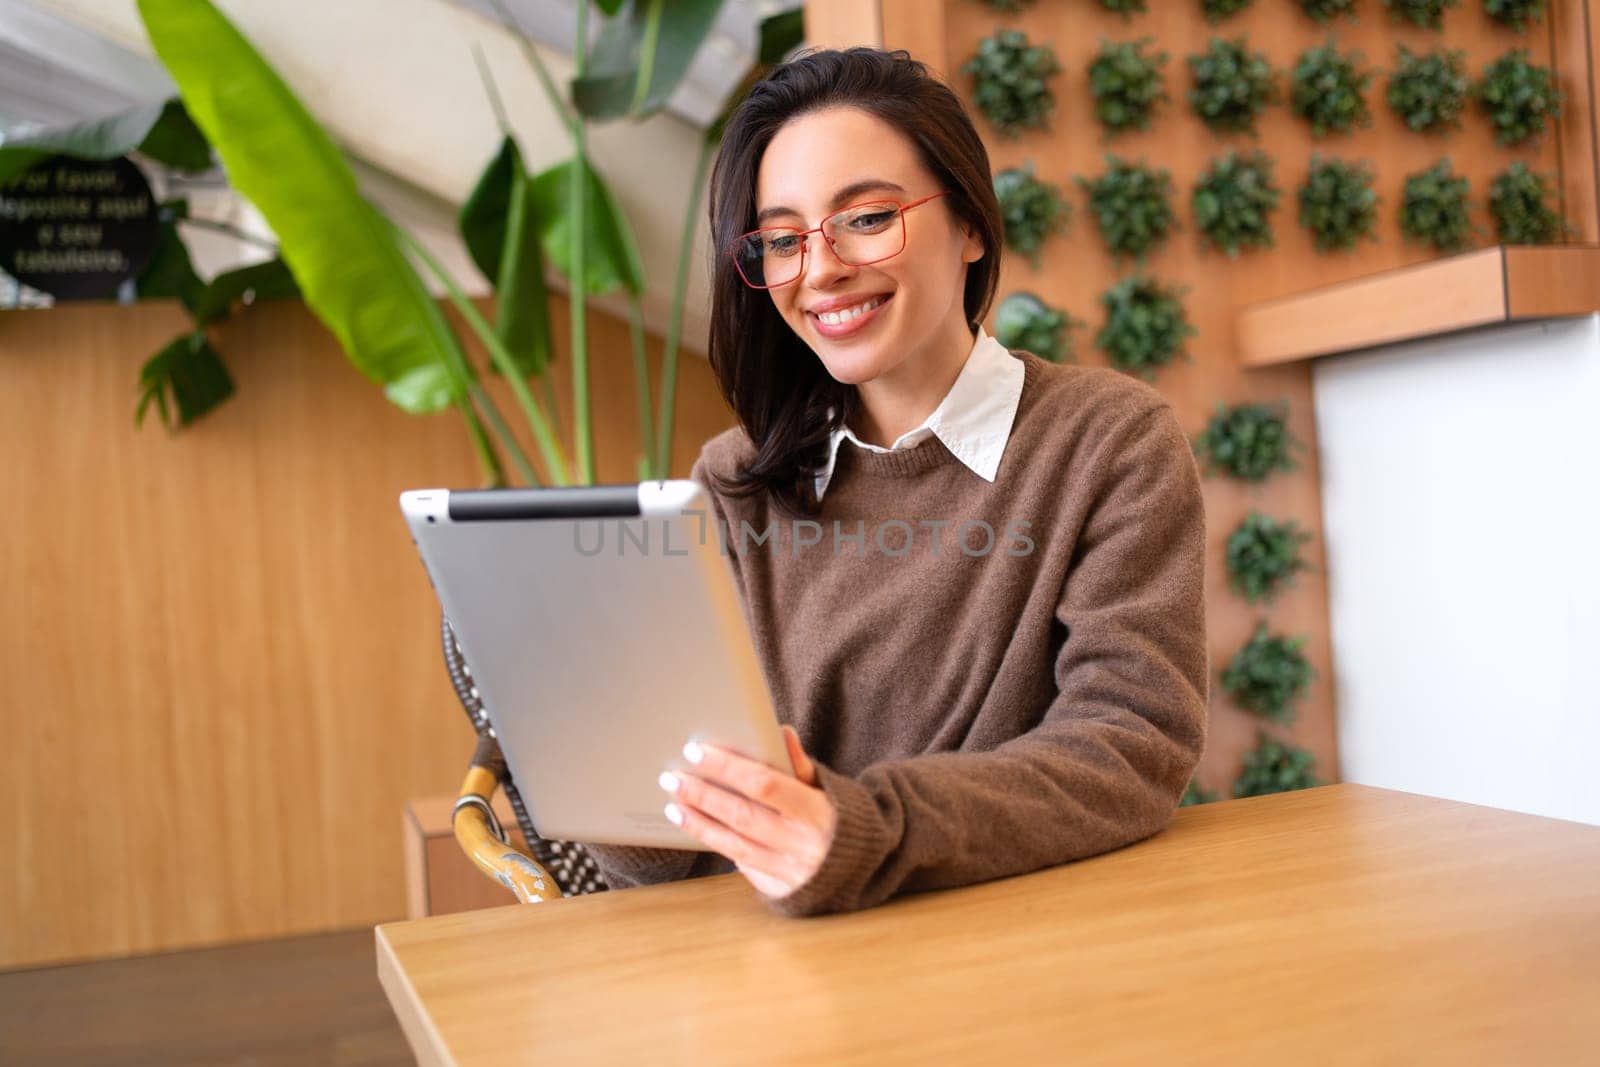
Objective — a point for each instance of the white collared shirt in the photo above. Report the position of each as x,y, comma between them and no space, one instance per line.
973,420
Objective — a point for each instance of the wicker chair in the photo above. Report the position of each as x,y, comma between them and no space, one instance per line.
555,868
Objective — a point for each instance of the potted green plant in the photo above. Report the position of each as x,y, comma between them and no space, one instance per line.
1433,209
1263,556
1233,202
1338,204
1125,8
1429,91
1032,210
1010,80
1327,89
1428,14
352,264
1325,11
1025,322
1515,14
1519,203
1518,96
1145,326
1132,205
1268,674
1247,441
1217,10
1274,767
1232,85
1125,81
187,377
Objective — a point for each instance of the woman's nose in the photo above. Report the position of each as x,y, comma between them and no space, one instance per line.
822,264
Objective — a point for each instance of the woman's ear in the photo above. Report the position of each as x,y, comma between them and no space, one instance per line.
973,249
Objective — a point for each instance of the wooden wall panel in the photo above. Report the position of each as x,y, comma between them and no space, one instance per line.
220,652
842,23
1575,45
1076,269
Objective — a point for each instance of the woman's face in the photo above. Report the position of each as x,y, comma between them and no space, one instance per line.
808,169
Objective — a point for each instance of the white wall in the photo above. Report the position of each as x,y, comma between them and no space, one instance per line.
1461,496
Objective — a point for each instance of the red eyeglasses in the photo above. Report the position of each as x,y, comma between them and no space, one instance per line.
868,232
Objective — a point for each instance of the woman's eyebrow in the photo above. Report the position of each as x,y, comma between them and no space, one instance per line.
852,190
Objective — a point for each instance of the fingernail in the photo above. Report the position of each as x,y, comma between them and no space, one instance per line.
674,814
692,752
669,781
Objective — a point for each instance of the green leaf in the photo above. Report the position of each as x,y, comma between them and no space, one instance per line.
1269,674
1263,556
482,219
612,257
1274,767
260,281
191,373
1023,321
1126,84
1031,208
779,35
1132,203
422,389
1145,327
501,232
163,131
170,275
1009,81
354,276
609,87
176,141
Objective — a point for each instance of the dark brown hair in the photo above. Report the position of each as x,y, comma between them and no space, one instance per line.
777,387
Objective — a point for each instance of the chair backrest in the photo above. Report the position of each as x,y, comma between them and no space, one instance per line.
568,862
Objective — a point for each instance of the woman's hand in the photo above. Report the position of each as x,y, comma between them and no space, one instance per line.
776,829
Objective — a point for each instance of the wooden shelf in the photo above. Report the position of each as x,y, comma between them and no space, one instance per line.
1499,284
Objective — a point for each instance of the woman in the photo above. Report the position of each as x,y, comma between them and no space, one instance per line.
975,579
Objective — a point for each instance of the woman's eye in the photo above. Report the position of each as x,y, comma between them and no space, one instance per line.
782,246
873,221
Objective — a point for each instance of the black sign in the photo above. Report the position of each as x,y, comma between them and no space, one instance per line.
77,229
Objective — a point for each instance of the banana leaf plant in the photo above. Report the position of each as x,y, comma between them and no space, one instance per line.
187,377
355,269
641,54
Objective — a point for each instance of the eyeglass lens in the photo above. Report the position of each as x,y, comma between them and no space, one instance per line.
860,235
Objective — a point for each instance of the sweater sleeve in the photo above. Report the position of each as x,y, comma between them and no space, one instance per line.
1107,764
625,866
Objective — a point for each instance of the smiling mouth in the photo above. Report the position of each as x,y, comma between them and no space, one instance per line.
851,319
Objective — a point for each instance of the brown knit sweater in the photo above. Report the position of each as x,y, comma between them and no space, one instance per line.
975,714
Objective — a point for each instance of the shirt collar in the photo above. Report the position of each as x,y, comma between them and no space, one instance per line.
973,420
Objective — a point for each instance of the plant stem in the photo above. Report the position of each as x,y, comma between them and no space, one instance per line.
641,382
584,444
550,403
680,289
531,53
473,392
549,447
481,444
492,414
647,57
492,91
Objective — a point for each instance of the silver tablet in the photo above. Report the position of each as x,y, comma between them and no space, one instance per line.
603,629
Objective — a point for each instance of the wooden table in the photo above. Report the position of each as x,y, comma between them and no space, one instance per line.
1344,924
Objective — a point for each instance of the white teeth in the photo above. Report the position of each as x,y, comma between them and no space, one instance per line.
838,318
